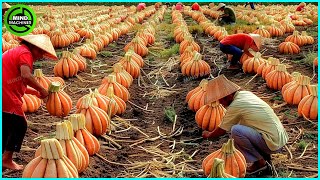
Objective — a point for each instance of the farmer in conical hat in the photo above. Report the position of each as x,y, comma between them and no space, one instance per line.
228,16
237,44
255,128
16,76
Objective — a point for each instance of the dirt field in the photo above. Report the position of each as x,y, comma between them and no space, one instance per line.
144,142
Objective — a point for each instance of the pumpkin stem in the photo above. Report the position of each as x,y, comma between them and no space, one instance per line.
77,121
86,102
304,80
110,92
117,68
217,170
281,68
215,103
38,73
314,90
112,78
54,87
274,62
304,33
197,56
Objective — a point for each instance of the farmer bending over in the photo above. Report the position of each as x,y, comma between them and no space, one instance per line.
237,44
17,74
255,128
228,17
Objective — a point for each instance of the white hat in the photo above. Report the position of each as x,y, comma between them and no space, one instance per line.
221,5
43,42
5,6
257,39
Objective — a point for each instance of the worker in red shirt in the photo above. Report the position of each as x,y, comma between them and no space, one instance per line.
16,76
237,44
195,7
141,6
179,6
301,6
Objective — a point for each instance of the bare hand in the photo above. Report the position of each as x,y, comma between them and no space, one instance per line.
43,94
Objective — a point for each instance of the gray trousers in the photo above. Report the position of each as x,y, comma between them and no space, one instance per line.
250,143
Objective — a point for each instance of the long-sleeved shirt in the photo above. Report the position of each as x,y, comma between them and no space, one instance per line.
249,110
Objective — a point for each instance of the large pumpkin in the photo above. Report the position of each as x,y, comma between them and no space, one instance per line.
51,163
209,116
294,92
308,106
277,78
59,103
66,67
119,90
196,97
289,48
295,38
251,65
196,67
235,163
90,142
97,120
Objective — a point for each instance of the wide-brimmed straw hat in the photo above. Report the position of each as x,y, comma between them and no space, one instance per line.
257,39
43,42
5,6
219,88
221,5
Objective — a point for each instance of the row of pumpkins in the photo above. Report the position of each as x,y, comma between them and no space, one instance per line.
68,153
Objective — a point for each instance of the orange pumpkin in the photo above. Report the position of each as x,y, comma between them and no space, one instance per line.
315,62
119,104
81,61
295,91
306,38
196,97
84,137
251,65
51,163
136,57
209,116
85,32
60,39
41,78
122,76
275,31
203,85
188,42
75,151
66,67
187,54
217,170
59,103
289,48
271,65
138,46
235,161
262,32
97,120
30,103
295,38
99,100
119,90
277,78
196,67
308,106
130,65
87,51
288,26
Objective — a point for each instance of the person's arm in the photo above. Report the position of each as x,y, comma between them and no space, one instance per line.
213,134
31,81
32,91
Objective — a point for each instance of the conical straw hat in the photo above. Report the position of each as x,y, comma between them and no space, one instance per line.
5,6
221,5
43,42
257,39
219,88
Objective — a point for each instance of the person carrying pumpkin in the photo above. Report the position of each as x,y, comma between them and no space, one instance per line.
16,76
301,7
237,44
255,128
228,16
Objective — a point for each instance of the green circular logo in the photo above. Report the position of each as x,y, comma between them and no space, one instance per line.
20,20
